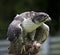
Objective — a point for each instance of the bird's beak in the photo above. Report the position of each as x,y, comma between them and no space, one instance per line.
49,19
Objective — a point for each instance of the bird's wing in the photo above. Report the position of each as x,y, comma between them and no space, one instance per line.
13,32
42,33
14,29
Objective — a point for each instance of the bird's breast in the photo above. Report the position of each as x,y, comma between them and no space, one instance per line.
29,26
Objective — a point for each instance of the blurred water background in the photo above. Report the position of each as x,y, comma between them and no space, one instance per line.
9,9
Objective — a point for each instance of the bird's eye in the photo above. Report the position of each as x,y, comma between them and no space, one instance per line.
45,16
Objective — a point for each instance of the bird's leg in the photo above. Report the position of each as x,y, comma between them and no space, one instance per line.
29,53
23,49
23,45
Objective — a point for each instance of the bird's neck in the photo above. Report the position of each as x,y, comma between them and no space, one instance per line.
29,26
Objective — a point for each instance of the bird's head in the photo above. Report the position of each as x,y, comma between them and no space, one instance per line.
38,17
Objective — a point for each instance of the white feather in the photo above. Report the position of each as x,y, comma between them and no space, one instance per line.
28,25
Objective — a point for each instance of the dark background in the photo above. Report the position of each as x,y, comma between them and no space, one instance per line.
9,9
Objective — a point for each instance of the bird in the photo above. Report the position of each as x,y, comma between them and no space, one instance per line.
29,26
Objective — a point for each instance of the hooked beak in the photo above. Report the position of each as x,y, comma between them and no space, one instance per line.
49,19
